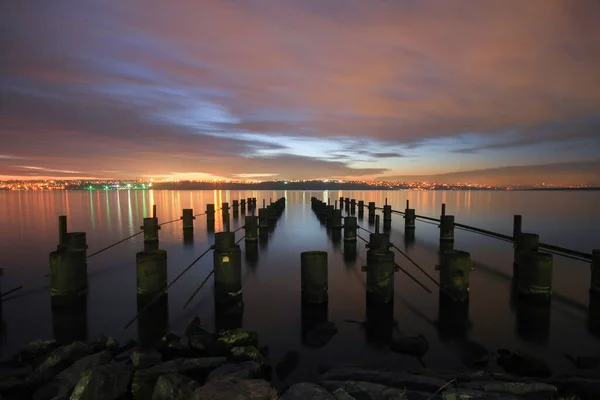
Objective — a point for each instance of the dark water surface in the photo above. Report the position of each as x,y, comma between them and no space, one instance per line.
271,285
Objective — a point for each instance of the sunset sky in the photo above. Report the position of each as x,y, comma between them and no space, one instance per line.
300,89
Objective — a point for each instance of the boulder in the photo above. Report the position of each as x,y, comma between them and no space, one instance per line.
514,388
247,353
523,364
174,387
399,380
301,391
366,390
196,368
466,394
243,370
105,382
142,359
37,349
234,388
287,364
341,394
238,337
63,357
321,334
473,354
199,338
416,346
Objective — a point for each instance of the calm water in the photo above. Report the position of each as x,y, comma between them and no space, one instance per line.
28,229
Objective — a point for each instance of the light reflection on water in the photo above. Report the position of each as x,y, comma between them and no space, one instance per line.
271,277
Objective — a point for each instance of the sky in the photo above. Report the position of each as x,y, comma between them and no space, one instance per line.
301,89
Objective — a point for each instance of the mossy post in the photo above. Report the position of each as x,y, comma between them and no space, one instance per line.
314,277
225,210
380,269
361,208
387,216
243,205
68,270
446,228
251,229
409,219
350,228
272,215
227,265
210,213
336,222
455,273
62,229
595,267
150,229
188,219
371,209
524,243
263,221
534,280
151,271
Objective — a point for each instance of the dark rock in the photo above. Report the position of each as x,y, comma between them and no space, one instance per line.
198,337
64,356
416,346
584,362
124,352
105,382
238,337
142,359
513,388
340,394
37,349
301,391
466,394
247,353
393,379
522,364
321,334
366,390
584,388
174,387
233,388
64,383
264,350
473,354
196,368
18,371
287,365
192,326
244,370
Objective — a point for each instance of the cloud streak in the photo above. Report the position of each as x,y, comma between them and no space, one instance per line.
330,89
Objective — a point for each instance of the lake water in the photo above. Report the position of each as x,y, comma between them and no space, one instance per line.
271,283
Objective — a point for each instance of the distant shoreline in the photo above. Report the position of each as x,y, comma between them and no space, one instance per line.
259,187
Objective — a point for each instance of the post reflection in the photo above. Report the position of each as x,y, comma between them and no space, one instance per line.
533,322
153,323
229,315
188,237
263,238
409,237
312,316
69,324
350,252
379,329
251,251
453,319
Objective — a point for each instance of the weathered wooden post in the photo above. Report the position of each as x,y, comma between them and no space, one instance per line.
150,229
271,215
341,203
329,215
371,211
517,224
251,229
353,206
446,226
225,210
409,218
361,208
455,273
227,265
210,213
347,200
151,271
350,229
380,268
534,279
387,216
263,221
236,207
336,222
524,243
154,211
314,277
595,267
188,219
68,270
243,205
62,229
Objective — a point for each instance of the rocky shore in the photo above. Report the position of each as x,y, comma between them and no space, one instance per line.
230,365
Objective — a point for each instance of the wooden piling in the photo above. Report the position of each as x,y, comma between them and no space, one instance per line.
151,271
387,216
188,218
62,229
251,228
524,243
225,209
243,205
352,206
534,280
227,265
517,225
150,229
210,212
455,273
380,269
371,210
447,228
350,228
409,219
314,277
154,211
68,270
336,222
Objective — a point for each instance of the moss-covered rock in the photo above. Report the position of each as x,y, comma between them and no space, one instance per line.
142,359
399,380
238,337
174,387
243,370
247,353
63,357
238,389
105,382
37,349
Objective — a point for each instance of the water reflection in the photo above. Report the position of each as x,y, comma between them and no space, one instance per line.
336,237
188,237
533,322
263,238
409,237
379,323
229,315
153,323
453,319
69,324
251,251
210,226
350,252
312,315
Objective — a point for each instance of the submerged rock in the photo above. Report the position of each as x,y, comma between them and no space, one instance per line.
174,387
247,353
302,391
287,365
243,370
106,382
233,388
473,354
523,364
199,338
400,380
197,368
321,334
416,346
